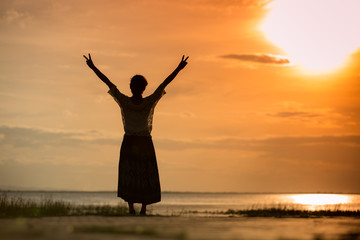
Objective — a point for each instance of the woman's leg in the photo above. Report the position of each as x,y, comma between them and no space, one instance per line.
131,208
143,209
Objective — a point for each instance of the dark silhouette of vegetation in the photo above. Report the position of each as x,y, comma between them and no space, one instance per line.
293,213
19,207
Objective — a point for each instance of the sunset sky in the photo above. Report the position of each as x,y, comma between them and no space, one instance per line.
269,102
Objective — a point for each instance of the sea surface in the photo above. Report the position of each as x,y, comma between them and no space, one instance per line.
173,203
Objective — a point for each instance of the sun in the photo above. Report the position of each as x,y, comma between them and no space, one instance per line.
318,35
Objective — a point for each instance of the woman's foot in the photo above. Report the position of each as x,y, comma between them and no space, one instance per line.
131,208
143,210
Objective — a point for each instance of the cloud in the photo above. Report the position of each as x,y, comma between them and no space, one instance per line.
70,159
303,163
263,145
37,137
23,137
185,114
11,16
17,175
263,58
296,114
39,145
313,163
320,117
214,5
34,145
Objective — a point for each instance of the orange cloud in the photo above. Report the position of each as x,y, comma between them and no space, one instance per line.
263,58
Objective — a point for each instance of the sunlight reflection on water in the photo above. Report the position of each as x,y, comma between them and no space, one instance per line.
318,201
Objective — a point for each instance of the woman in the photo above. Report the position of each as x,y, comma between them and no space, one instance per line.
138,180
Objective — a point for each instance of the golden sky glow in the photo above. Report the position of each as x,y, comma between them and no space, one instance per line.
243,116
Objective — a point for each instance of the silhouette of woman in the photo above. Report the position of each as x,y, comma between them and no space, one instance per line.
138,180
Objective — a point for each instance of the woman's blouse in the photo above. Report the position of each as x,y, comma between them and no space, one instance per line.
137,118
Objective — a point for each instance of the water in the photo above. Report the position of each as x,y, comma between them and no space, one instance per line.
181,202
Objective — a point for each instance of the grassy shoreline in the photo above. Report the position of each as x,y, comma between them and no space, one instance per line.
292,213
20,207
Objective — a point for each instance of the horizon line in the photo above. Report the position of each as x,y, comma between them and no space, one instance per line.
184,192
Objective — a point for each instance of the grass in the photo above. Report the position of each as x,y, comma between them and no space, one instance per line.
280,211
293,213
19,207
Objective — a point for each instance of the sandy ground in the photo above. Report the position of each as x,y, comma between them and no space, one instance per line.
179,227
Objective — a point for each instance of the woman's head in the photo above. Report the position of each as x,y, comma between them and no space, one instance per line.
138,84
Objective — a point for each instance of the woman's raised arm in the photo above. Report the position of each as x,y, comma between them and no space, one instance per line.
171,77
103,78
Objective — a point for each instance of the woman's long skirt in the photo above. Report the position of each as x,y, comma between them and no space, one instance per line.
138,172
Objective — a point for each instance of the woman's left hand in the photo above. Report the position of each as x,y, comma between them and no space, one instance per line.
183,62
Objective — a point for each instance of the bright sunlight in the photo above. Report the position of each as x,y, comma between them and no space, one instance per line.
317,35
320,199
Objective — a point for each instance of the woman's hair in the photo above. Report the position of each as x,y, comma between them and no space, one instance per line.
138,84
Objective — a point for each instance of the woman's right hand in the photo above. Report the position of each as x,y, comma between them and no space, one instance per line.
89,62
